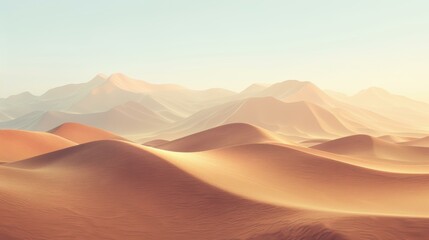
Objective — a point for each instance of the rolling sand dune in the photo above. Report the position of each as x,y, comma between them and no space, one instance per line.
156,143
17,145
223,136
396,139
291,177
118,190
82,134
420,142
367,146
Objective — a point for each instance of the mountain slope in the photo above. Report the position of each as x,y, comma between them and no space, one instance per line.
293,91
393,106
128,118
297,118
4,117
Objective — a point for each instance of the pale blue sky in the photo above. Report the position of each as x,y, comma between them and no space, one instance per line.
340,45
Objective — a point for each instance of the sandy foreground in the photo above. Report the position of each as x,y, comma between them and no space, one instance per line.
252,185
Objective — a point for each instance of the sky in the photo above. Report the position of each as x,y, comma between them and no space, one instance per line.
336,44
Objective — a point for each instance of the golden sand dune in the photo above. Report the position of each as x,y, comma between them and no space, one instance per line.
17,145
286,176
223,136
156,143
80,133
119,190
367,146
420,142
396,139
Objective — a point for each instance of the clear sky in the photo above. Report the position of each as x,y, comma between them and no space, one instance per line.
343,45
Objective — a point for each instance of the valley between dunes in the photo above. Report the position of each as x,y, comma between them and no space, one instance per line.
235,181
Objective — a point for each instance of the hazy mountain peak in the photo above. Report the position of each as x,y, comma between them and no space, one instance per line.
123,82
254,88
374,90
21,96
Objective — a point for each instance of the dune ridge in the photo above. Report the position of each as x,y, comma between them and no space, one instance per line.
367,146
222,136
18,144
82,134
166,184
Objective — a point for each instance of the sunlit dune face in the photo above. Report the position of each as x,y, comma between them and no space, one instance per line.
18,145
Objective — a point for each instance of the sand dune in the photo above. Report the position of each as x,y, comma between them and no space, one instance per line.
227,193
17,145
82,134
156,143
223,136
420,142
395,139
367,146
286,176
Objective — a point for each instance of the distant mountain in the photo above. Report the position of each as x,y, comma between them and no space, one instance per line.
125,119
296,118
393,106
129,106
4,117
104,93
292,91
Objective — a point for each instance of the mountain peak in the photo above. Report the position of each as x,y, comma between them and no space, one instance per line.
374,90
22,96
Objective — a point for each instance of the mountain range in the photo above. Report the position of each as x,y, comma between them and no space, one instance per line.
141,110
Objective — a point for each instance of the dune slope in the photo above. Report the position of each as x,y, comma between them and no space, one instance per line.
80,133
367,146
222,136
17,144
118,190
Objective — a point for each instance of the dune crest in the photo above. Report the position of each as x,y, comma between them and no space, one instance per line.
367,146
17,144
222,136
233,193
82,134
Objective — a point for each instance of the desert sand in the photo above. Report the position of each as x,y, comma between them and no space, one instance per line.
119,190
82,134
128,159
17,145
